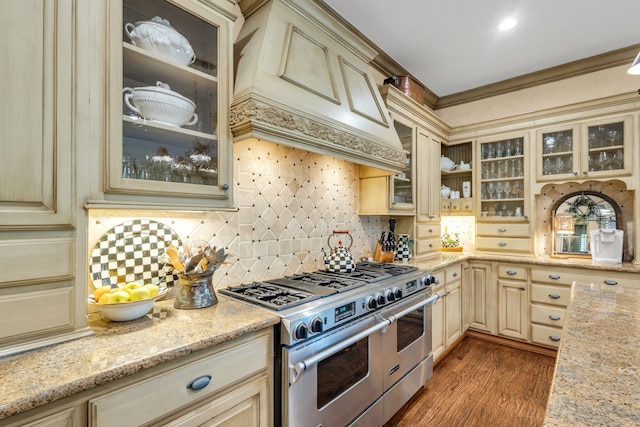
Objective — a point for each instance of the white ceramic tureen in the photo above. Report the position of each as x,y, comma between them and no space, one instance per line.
159,37
160,104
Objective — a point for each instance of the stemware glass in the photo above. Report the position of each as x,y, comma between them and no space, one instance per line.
499,150
508,149
550,144
602,160
612,136
507,189
499,190
491,188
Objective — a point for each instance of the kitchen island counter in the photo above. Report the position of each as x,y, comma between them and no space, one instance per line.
597,374
119,349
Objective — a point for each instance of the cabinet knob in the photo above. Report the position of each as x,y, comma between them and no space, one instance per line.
522,288
455,274
502,244
199,383
502,230
225,187
610,282
554,296
554,317
585,172
575,173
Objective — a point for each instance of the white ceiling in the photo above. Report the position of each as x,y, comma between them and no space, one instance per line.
455,45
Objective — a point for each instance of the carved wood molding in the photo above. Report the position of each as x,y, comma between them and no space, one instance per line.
244,115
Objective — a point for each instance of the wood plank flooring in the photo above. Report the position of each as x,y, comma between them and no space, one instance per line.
484,384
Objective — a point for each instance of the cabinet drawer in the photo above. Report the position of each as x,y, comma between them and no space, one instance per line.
506,230
169,391
503,244
427,246
547,294
427,231
54,308
453,273
546,335
440,276
560,277
456,205
467,204
546,315
445,205
514,272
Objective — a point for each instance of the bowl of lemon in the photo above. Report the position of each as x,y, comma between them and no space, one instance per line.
126,302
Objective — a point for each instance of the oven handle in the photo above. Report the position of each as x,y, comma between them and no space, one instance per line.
300,367
431,300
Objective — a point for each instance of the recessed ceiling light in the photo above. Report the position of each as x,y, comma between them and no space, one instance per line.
507,24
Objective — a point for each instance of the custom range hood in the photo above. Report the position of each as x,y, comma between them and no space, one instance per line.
303,80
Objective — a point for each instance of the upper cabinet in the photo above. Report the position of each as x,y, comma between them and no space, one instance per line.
457,180
171,75
592,149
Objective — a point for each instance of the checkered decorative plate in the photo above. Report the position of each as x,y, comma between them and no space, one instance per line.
130,251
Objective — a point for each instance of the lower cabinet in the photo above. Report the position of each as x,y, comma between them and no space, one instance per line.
447,312
513,300
227,385
483,298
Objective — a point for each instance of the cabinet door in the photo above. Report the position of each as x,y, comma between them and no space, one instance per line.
427,165
483,298
503,183
438,325
36,114
401,186
607,147
152,155
512,309
453,313
558,153
464,296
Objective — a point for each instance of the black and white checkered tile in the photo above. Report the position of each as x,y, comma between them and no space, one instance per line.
130,251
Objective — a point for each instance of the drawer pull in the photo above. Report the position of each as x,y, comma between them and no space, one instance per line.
554,338
554,296
502,230
430,231
512,272
502,244
199,383
522,288
455,274
554,317
554,276
610,282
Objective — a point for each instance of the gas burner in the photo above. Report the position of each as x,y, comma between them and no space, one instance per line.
389,268
269,295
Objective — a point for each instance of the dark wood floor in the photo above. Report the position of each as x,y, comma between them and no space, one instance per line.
481,383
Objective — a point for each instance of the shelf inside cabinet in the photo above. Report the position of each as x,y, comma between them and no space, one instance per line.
456,172
139,128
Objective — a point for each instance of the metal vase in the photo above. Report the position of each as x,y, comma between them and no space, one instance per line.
195,290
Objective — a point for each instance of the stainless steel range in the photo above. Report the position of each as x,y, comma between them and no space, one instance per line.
352,347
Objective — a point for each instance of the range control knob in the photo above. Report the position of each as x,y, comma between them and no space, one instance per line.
391,295
301,331
372,304
398,293
315,325
381,299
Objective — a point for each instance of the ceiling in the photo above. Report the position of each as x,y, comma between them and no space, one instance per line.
452,46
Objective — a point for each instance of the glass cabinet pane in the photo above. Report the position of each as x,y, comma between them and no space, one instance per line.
402,183
502,178
557,152
606,147
163,137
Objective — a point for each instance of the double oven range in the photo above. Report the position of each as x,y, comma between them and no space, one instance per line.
352,348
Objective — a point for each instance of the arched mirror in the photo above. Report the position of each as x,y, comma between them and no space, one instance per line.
575,216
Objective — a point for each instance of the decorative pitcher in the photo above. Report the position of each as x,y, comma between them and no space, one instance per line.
339,260
403,253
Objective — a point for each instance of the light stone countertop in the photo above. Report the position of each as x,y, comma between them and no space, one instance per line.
597,374
118,349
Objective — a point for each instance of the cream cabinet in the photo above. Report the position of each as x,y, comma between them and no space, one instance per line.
483,297
458,179
227,385
148,161
447,312
513,300
42,224
593,149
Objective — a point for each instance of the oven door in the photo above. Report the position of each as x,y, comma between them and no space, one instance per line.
407,343
333,379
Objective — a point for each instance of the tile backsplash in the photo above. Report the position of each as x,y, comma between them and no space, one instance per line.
288,203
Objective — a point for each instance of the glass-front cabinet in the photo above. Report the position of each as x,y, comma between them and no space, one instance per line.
502,186
401,185
174,91
585,150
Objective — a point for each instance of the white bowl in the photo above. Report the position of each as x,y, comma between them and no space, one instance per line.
159,37
129,310
160,104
